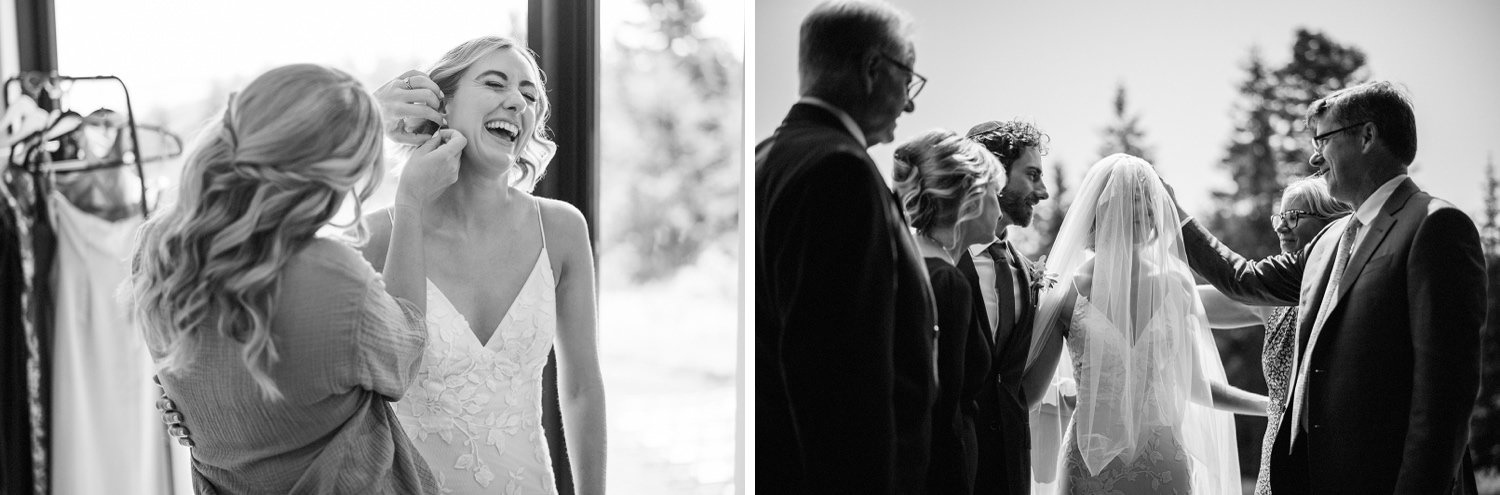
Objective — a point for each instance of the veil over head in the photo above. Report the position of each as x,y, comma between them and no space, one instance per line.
1144,354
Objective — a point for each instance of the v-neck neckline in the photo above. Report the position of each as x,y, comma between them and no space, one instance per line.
1135,339
469,326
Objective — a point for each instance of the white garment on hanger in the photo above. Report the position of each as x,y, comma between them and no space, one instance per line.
107,436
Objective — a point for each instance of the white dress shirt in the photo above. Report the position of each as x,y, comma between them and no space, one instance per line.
985,267
1371,208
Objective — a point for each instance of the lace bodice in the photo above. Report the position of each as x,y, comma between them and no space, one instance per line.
1159,464
1090,328
474,410
1144,401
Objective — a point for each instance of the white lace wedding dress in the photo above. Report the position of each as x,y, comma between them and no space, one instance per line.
1143,361
474,410
1159,464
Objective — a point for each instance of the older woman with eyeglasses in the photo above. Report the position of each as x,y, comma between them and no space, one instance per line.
1306,208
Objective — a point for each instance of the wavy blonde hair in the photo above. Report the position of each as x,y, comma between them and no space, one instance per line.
257,186
538,148
941,176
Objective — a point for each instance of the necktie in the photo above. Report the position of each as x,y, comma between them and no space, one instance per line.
1346,248
1004,289
1330,297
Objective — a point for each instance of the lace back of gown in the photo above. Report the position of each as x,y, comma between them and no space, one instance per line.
1159,464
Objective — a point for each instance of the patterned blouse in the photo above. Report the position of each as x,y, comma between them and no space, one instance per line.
1276,360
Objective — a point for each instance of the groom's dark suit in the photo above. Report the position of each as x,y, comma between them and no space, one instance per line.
1394,371
1004,429
844,320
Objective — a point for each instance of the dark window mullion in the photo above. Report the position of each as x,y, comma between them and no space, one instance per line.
565,34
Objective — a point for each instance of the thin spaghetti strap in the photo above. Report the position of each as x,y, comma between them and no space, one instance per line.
540,224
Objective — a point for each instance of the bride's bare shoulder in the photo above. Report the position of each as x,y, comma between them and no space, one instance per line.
1083,277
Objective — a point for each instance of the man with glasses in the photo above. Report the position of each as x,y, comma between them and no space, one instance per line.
1392,302
845,322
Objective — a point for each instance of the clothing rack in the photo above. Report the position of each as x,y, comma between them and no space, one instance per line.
34,83
83,165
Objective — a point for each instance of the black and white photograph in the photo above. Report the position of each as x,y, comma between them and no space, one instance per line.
1126,247
360,247
729,247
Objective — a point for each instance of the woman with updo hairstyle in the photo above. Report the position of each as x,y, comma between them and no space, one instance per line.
511,277
279,351
949,186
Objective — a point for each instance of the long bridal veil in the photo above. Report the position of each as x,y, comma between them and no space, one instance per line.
1147,359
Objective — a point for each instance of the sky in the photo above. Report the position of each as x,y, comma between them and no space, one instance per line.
1058,63
168,50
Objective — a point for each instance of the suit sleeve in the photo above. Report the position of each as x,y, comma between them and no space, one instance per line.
836,275
1273,281
1446,289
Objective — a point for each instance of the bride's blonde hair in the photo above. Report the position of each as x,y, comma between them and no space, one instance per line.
537,149
260,182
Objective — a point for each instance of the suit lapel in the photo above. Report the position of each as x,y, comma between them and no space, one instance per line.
1027,310
1005,326
1378,229
1367,247
1376,236
1318,268
1026,294
1020,322
966,265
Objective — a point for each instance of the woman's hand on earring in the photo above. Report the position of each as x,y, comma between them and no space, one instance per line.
406,102
432,168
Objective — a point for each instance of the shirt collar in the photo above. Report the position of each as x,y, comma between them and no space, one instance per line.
843,116
1371,207
978,249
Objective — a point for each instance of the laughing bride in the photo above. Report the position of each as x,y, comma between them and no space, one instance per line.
509,274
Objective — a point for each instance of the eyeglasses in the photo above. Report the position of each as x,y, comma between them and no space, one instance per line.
1322,139
917,81
1291,217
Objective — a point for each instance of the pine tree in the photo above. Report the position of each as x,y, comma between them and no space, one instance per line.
1490,232
1484,425
1124,135
1242,216
1050,219
1270,145
1319,66
676,179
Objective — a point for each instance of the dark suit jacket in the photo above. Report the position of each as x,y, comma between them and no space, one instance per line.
844,320
1004,420
1394,371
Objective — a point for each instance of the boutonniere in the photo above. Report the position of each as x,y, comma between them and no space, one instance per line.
1041,279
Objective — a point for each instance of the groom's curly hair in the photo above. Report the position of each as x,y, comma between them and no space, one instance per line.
1009,139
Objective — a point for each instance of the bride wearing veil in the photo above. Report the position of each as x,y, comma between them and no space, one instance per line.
1152,410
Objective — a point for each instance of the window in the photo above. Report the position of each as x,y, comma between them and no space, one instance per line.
670,167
